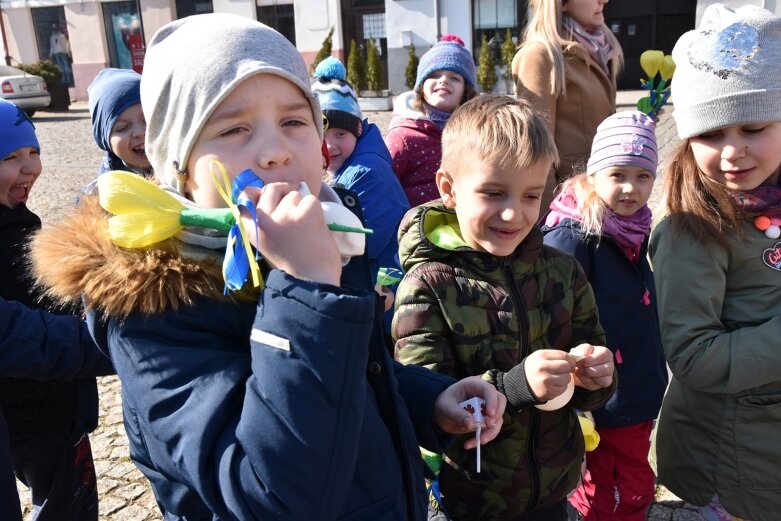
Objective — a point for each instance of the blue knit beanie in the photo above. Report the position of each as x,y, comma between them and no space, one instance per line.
337,97
110,94
16,129
448,54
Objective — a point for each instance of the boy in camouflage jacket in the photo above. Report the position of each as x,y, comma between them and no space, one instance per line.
483,296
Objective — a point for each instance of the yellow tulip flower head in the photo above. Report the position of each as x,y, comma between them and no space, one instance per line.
651,61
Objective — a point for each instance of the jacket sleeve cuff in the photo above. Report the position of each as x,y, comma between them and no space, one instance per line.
514,386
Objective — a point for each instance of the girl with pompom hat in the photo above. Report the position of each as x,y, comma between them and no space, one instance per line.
445,80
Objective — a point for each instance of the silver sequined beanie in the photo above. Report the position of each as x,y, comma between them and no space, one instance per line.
726,70
191,65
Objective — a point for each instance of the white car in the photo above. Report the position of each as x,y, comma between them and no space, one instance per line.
27,91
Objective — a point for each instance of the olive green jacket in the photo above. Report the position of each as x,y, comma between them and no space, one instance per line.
720,316
462,313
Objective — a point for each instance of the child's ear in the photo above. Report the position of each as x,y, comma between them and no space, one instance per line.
445,185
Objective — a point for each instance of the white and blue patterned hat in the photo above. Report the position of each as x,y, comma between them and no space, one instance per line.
337,97
726,70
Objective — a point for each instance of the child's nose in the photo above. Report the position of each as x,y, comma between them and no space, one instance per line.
272,152
733,151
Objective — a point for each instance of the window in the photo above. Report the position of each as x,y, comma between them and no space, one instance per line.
492,18
51,33
189,8
281,18
123,35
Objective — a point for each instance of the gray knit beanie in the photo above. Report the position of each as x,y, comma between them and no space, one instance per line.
726,70
191,65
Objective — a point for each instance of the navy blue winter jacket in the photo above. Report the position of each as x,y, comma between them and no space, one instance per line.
631,325
286,408
36,344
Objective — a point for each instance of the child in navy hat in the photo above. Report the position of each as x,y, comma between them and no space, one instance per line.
359,161
47,421
445,80
601,217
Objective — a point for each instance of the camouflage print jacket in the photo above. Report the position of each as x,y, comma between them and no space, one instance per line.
464,312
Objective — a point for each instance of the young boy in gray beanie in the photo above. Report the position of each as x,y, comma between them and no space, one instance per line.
281,404
716,259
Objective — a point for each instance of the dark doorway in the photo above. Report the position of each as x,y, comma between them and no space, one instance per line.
362,20
281,18
639,26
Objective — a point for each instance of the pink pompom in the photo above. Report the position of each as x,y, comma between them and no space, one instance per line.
452,38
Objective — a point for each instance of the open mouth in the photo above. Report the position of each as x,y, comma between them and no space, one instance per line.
140,151
20,192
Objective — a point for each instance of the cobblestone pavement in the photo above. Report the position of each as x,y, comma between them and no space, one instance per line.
70,160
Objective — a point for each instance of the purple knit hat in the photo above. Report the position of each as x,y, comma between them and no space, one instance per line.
448,54
624,139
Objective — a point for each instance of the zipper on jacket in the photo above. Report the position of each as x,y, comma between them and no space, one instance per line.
523,325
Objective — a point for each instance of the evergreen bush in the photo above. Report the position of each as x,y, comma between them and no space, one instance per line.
325,49
373,74
356,70
486,74
411,72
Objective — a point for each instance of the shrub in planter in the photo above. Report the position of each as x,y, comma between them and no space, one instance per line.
373,74
52,75
411,72
325,49
356,74
486,73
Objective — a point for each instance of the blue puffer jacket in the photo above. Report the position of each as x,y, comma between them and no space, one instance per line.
369,173
289,408
631,325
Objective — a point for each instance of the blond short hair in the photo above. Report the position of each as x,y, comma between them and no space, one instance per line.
501,130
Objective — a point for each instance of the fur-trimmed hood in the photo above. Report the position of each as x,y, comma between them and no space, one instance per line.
74,259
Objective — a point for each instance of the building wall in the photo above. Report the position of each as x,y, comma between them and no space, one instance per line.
313,21
154,15
239,7
90,53
22,47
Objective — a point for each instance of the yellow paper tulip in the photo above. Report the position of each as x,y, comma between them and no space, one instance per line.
650,61
667,68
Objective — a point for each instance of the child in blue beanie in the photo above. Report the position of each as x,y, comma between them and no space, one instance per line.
47,421
359,161
118,124
446,79
280,403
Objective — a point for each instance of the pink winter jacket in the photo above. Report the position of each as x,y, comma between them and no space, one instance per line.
415,145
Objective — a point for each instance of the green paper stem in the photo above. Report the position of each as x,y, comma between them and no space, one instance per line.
221,219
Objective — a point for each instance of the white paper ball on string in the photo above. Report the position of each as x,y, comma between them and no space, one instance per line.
561,400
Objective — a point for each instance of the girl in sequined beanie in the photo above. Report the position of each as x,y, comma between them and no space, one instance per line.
717,263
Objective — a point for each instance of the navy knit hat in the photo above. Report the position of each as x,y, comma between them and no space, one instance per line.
448,54
337,97
111,93
16,129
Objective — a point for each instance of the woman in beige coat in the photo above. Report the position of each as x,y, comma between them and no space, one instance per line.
567,68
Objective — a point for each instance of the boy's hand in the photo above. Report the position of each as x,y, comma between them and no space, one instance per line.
293,233
548,372
387,295
594,368
450,417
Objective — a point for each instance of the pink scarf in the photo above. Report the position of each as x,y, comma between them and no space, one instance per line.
629,232
594,41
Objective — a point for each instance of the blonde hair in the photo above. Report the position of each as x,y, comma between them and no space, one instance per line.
697,203
590,205
501,130
546,26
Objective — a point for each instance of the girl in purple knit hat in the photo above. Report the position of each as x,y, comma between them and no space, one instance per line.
601,217
445,80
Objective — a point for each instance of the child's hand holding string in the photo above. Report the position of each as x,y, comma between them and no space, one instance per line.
293,233
594,367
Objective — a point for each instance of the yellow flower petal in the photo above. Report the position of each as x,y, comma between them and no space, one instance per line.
667,69
650,61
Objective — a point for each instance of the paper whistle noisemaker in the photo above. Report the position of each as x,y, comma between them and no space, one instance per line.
476,407
145,214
